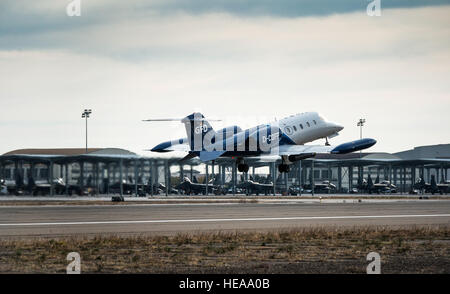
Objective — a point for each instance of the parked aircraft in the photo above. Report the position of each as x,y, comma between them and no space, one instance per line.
383,187
251,187
194,187
3,189
324,187
432,187
283,139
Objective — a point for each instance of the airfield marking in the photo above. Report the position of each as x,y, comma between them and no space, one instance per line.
224,220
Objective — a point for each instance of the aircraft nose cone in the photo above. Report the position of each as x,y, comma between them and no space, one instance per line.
335,127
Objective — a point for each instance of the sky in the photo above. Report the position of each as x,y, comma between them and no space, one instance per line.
245,62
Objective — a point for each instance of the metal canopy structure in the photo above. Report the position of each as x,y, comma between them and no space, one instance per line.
113,165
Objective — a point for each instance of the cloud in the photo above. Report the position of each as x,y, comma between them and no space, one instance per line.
393,70
26,17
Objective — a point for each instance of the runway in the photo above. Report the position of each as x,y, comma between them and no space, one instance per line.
76,220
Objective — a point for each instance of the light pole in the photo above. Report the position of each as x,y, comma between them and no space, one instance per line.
360,124
85,115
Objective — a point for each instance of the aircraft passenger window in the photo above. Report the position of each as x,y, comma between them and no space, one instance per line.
295,128
288,130
301,126
314,121
307,123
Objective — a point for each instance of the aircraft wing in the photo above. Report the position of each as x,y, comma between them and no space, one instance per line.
180,147
299,152
167,147
303,149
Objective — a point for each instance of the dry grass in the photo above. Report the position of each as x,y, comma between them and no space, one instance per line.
312,250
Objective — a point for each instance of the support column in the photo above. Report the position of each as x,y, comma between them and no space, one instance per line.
121,177
114,172
312,177
390,173
299,178
181,173
81,165
234,177
108,177
212,172
206,179
223,175
330,178
30,177
404,179
274,177
96,178
136,178
50,175
152,176
66,167
360,180
395,175
350,178
166,173
339,175
286,182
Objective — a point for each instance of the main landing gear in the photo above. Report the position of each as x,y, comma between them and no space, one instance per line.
284,168
243,168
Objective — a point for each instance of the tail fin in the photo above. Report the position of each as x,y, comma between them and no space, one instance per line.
197,128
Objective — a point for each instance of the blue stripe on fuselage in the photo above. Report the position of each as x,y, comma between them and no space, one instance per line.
285,139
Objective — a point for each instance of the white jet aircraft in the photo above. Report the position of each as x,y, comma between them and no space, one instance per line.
283,139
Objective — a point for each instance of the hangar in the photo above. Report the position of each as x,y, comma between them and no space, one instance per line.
99,168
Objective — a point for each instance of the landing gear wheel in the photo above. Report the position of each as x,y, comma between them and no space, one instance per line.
243,168
283,168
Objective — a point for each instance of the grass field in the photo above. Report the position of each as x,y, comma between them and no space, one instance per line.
313,250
